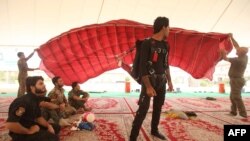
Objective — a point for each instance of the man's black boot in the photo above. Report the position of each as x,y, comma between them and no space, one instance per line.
158,135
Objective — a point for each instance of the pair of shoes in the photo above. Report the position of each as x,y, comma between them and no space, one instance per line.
158,135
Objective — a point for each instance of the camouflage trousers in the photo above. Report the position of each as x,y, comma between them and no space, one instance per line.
56,115
236,85
22,85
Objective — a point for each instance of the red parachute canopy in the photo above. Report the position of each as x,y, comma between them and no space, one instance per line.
86,52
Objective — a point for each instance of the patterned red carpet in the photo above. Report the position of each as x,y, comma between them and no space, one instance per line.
114,118
109,105
202,128
168,104
109,127
201,104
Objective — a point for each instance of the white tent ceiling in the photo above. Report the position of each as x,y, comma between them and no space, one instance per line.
30,23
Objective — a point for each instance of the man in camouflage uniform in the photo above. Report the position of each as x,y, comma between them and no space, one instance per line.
236,75
74,97
57,97
23,71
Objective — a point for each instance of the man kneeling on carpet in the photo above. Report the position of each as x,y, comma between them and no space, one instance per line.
236,75
25,122
75,100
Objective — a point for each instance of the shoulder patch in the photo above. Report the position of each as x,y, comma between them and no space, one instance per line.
20,111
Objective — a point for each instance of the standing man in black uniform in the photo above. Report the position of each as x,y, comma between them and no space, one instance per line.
154,70
24,118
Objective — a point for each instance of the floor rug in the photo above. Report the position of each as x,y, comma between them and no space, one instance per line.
108,105
201,104
201,128
168,104
109,127
224,116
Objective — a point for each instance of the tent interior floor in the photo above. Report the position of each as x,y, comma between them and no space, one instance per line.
114,113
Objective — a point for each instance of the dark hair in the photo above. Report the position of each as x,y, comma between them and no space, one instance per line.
31,81
55,79
159,23
74,84
19,54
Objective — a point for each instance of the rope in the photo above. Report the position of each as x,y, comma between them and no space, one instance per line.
224,11
100,12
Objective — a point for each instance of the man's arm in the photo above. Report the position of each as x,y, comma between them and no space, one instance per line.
144,67
48,105
41,121
169,81
32,69
27,58
235,44
150,90
224,54
167,71
53,96
65,100
77,98
146,81
16,127
16,111
24,65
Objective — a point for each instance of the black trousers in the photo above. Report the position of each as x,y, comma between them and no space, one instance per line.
159,84
42,135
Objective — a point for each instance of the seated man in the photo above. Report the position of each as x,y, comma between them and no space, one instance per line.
45,103
57,97
25,122
49,111
74,97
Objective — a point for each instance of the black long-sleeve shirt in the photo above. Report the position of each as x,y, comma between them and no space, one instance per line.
146,54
